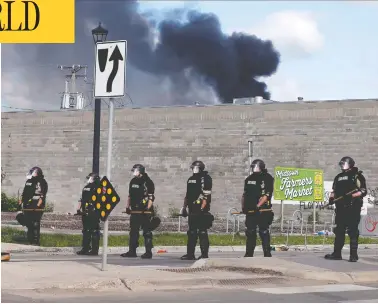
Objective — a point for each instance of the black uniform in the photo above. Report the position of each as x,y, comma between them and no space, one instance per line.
257,185
141,190
348,210
90,219
35,189
199,188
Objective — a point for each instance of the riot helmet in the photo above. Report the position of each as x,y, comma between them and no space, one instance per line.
92,177
34,172
257,166
197,166
138,169
346,163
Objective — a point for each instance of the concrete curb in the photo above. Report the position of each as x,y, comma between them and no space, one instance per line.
18,248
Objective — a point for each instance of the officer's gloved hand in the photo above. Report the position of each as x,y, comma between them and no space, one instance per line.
79,212
331,201
128,210
19,207
244,211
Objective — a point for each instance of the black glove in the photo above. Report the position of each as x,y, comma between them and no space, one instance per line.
244,210
19,207
331,201
128,210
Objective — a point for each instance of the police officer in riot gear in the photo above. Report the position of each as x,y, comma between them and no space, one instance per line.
90,217
349,188
197,200
34,198
256,204
141,198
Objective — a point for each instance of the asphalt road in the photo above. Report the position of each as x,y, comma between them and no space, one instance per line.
295,294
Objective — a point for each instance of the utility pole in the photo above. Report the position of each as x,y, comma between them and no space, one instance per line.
71,98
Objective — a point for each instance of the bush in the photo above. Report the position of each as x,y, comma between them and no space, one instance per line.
310,217
174,212
10,204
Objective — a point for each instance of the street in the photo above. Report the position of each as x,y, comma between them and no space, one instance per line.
331,294
290,291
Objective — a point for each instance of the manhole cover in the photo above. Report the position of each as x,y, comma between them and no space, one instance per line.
186,270
252,281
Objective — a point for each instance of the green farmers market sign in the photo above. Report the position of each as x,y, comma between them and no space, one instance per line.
298,184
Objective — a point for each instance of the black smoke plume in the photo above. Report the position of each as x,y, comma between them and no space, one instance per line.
190,57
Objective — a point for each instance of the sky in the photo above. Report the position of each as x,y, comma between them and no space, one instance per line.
329,50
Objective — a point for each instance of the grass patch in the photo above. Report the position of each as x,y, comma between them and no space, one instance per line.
11,235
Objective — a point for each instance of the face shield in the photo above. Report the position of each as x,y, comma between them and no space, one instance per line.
31,173
136,172
196,169
256,168
90,179
344,165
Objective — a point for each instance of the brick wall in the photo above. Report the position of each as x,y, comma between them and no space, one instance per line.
167,140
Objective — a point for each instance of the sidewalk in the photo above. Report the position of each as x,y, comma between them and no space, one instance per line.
334,271
20,248
209,273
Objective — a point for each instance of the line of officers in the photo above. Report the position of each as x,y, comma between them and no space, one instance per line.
349,187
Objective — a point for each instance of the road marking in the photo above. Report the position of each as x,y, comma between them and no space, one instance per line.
361,301
313,289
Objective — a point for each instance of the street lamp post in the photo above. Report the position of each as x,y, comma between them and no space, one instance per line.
99,35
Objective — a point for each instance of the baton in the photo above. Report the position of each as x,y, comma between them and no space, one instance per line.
41,210
339,198
253,211
195,214
139,212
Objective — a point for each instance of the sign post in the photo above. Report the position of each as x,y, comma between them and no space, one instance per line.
110,82
298,184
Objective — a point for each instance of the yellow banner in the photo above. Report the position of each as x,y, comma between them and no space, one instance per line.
37,21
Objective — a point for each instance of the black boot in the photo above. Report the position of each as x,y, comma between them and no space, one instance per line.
95,243
265,242
353,257
85,243
188,257
147,245
191,246
129,254
250,243
204,244
333,256
338,245
146,255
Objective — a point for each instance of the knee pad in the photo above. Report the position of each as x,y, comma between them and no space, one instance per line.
263,232
96,233
353,233
147,234
191,233
338,230
250,232
202,233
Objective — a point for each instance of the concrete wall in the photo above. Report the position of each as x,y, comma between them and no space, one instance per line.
167,140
